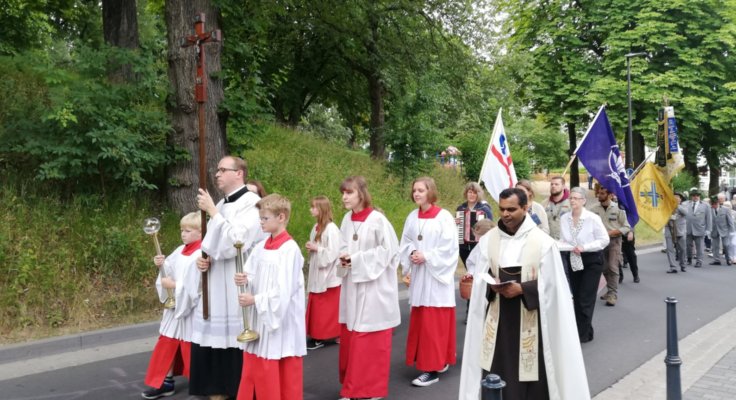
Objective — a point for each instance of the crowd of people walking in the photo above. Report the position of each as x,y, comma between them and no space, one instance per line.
531,285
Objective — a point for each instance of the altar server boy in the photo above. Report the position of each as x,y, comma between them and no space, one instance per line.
272,364
171,353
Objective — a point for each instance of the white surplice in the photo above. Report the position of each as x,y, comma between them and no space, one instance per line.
433,282
276,280
563,358
324,262
176,323
236,220
369,297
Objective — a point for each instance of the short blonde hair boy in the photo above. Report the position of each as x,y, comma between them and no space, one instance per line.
193,220
275,204
482,227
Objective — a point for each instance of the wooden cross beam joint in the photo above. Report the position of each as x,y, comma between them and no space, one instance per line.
199,38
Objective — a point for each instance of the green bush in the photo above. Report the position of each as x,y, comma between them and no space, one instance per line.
70,125
683,182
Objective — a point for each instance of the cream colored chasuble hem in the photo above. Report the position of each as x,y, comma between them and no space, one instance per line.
529,329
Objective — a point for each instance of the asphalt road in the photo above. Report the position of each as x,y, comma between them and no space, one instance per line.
626,336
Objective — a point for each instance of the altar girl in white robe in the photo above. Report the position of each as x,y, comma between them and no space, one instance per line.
369,302
323,303
171,354
429,255
272,364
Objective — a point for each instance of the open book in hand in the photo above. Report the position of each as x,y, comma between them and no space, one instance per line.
493,281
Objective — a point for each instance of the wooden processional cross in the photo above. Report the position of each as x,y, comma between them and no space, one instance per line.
198,40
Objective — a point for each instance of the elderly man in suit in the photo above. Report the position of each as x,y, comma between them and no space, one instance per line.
699,225
674,234
723,225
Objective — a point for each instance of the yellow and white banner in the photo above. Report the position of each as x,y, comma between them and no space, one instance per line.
653,196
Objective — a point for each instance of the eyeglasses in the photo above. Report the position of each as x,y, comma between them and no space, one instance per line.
222,170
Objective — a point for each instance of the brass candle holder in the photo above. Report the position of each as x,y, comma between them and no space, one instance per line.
151,226
247,335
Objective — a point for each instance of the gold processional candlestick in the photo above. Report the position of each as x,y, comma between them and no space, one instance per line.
247,335
151,226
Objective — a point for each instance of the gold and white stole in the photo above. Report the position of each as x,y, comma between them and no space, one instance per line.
529,329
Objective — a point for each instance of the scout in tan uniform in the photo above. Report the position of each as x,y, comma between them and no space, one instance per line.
614,220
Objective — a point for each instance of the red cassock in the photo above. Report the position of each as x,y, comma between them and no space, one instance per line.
264,379
166,353
322,313
431,339
365,358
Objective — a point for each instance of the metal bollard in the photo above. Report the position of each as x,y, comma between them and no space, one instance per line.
492,385
672,360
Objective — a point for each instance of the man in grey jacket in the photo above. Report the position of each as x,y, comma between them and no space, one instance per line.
674,234
723,225
699,225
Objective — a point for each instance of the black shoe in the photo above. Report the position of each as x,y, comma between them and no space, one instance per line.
637,280
167,389
715,263
673,270
682,269
426,379
314,344
728,262
698,265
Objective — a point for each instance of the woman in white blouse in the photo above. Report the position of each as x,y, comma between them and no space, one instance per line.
582,239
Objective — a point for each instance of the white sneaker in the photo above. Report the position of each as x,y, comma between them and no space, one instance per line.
426,379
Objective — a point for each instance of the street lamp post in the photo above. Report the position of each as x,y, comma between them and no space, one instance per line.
630,135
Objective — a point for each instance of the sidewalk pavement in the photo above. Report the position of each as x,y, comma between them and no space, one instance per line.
708,369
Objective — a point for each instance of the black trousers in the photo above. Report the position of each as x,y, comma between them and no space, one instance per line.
584,287
628,250
465,250
215,371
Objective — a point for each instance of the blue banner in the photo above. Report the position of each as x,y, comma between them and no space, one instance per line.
672,130
600,155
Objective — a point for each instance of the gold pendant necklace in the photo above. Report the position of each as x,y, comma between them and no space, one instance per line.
421,229
355,231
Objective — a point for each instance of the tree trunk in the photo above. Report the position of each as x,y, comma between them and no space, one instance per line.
377,143
375,90
183,176
573,140
639,151
714,173
120,29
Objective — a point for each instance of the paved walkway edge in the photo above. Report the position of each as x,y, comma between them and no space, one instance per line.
699,352
76,342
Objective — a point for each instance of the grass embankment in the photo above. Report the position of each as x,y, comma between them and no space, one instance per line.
84,263
301,168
